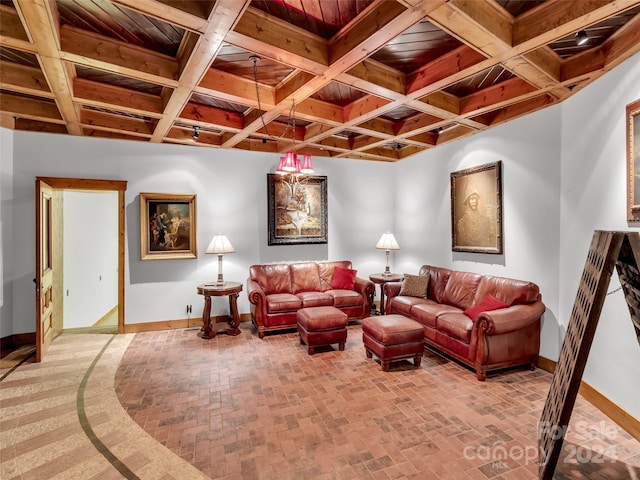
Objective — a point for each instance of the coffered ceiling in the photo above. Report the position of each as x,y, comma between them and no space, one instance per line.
371,79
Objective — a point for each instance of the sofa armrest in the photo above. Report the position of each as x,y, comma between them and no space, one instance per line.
255,293
391,289
510,319
364,287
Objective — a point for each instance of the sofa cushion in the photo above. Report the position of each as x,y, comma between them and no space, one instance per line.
283,302
427,311
414,285
403,305
488,303
461,289
272,278
345,298
304,277
438,278
455,325
508,290
343,278
315,299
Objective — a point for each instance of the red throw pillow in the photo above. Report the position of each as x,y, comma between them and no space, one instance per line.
488,303
343,278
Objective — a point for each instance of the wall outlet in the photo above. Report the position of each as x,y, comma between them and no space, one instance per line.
188,308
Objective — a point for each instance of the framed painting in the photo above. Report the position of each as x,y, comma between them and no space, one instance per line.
633,162
297,209
476,209
167,226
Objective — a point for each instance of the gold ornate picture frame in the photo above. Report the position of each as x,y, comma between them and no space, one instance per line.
633,162
167,226
476,209
297,210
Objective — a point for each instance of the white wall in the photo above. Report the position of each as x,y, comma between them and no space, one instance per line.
6,229
90,256
594,198
231,188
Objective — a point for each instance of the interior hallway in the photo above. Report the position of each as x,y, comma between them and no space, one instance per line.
163,405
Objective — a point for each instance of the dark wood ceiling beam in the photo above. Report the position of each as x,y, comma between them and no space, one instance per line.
425,138
276,39
381,151
556,19
103,53
222,19
23,79
40,19
25,107
235,89
116,123
12,33
418,123
39,126
362,108
595,62
450,68
167,13
519,109
295,82
623,44
216,117
375,78
110,134
380,126
454,133
482,25
97,94
184,136
335,143
318,131
498,95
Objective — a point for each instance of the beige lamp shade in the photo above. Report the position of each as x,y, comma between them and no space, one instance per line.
220,245
387,242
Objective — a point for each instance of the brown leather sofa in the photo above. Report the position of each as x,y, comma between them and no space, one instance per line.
277,291
500,338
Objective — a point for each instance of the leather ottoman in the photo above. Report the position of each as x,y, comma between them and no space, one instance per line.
319,326
391,338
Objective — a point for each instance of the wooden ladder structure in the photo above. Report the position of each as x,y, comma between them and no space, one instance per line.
608,249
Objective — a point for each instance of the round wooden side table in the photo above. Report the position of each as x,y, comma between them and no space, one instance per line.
230,289
381,279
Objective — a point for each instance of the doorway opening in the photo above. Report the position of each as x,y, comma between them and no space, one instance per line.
90,261
50,253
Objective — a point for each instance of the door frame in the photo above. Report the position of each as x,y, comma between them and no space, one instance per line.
119,186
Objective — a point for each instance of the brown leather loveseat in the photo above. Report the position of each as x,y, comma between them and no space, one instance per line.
507,313
277,291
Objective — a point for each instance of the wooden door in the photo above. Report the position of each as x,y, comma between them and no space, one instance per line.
48,294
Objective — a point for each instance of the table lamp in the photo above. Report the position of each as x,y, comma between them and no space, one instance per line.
387,243
220,245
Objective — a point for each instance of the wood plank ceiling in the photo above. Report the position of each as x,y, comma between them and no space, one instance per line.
371,79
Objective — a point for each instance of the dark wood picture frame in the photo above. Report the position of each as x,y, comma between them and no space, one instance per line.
633,161
167,226
297,212
476,209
